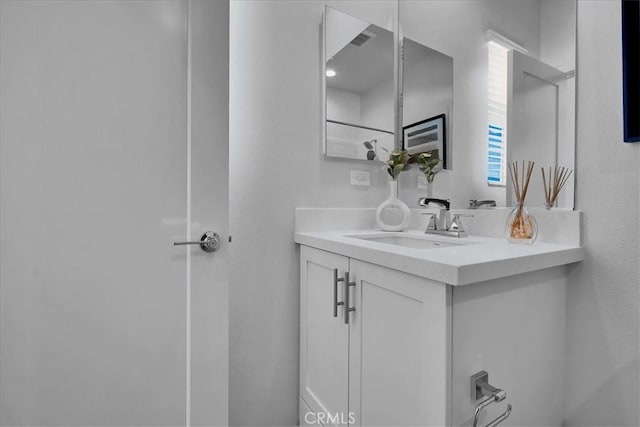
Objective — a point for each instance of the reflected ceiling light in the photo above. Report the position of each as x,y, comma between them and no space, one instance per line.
331,73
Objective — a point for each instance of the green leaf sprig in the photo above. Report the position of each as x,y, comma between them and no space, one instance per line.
427,164
398,162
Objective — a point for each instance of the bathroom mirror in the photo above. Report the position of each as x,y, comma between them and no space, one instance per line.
427,101
514,98
359,88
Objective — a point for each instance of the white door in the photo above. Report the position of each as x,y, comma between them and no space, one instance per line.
324,339
113,145
399,348
540,122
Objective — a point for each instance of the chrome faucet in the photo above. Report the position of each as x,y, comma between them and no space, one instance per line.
443,219
475,204
442,222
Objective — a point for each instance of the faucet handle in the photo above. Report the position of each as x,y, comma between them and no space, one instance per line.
431,225
456,223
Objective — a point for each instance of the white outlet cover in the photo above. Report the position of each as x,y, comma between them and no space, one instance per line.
422,182
360,178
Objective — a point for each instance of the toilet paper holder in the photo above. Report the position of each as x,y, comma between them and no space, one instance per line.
480,388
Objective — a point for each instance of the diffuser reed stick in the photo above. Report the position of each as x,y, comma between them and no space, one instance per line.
520,225
521,185
554,185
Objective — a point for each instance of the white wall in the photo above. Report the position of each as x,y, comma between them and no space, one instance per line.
378,105
343,106
427,89
602,358
276,164
557,34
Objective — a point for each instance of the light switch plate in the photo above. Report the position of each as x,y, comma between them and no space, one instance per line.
360,178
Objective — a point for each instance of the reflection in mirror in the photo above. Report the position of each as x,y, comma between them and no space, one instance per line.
514,95
427,101
359,98
538,120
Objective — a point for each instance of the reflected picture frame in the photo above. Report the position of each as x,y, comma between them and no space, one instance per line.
427,136
631,69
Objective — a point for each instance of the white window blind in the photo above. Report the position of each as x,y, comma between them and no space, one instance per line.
497,117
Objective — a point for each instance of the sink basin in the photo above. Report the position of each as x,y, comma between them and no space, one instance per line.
407,241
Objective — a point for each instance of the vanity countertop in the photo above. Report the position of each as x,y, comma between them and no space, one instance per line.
476,260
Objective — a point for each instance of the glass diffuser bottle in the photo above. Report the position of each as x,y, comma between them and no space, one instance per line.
521,226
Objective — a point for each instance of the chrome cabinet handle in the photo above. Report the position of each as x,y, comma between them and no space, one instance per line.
336,303
209,242
347,309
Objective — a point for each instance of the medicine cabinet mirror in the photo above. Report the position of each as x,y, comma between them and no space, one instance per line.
359,88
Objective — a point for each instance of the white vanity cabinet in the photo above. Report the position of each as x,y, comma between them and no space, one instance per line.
411,344
390,364
427,318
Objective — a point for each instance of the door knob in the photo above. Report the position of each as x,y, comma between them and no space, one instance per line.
209,242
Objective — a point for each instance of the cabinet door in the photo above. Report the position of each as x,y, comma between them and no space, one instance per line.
324,339
399,348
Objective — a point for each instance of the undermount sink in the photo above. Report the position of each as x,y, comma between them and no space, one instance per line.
407,241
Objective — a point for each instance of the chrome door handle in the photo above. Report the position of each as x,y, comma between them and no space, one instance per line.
209,242
336,303
347,309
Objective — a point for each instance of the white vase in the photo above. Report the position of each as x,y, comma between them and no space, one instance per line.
429,189
393,214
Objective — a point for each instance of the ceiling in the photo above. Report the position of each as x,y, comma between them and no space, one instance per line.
359,69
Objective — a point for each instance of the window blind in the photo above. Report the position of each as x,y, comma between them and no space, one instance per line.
497,117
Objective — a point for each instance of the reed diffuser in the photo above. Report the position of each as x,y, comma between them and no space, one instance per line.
552,188
521,226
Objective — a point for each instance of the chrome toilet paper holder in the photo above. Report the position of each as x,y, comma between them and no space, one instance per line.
480,388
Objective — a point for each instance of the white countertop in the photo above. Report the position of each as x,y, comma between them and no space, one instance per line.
477,260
